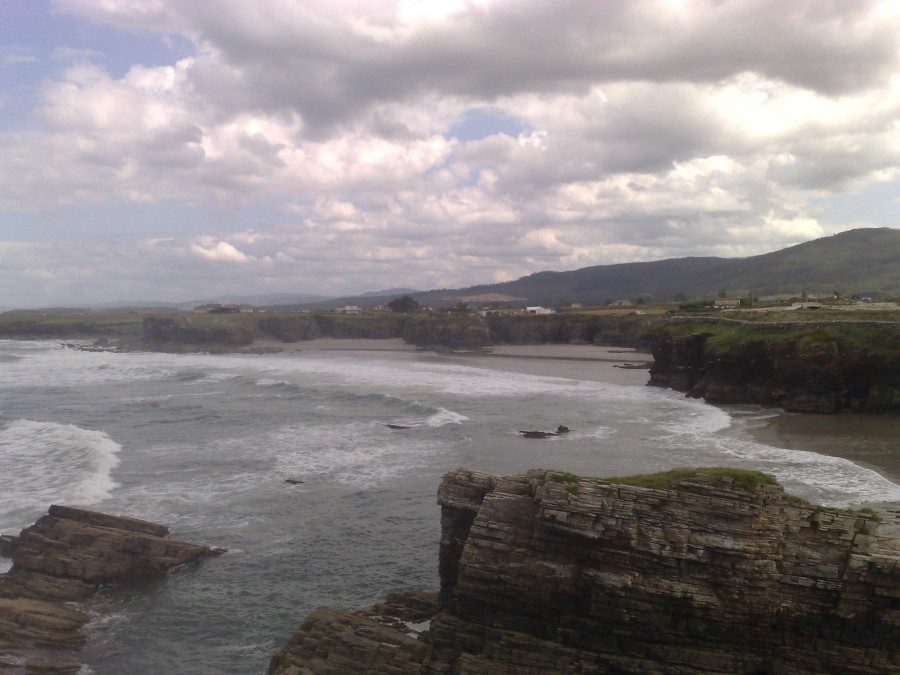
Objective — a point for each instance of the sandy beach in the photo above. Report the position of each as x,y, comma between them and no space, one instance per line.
581,362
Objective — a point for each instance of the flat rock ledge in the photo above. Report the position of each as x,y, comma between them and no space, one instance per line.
551,573
63,559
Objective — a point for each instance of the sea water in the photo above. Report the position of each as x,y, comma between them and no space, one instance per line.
206,443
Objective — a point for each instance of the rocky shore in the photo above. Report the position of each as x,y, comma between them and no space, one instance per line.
63,559
702,571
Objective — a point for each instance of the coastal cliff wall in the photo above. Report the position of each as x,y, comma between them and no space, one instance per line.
427,332
467,332
716,572
825,368
172,332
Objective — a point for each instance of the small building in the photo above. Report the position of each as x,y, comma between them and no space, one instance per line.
620,303
537,310
348,309
722,303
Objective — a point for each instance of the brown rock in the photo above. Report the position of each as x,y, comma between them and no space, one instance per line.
546,574
65,556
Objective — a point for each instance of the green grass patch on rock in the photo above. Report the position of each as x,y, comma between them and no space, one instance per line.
743,479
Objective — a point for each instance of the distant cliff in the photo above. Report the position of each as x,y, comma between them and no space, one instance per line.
697,571
564,328
827,367
220,332
427,332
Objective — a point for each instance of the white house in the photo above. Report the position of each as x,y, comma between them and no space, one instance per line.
538,310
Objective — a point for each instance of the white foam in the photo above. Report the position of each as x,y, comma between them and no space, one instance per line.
690,416
46,463
357,454
822,479
444,417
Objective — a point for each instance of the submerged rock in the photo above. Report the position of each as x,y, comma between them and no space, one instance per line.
66,556
709,571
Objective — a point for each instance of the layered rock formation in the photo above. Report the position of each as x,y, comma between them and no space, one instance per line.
823,368
716,573
65,556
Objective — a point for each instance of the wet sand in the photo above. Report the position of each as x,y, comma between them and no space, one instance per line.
871,440
868,440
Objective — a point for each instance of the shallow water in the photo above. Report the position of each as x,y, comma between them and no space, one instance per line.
204,443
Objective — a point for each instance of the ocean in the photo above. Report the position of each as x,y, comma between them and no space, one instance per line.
206,443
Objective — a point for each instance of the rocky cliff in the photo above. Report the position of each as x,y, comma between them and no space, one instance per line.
824,368
708,572
65,556
206,331
472,332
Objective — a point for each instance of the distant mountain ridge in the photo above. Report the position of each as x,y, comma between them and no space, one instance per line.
857,262
863,262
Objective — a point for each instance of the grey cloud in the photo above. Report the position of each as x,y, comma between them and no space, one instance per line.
329,74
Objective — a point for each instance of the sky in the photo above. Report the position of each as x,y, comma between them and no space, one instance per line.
171,150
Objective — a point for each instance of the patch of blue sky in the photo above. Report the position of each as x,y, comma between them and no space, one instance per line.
478,123
879,205
37,43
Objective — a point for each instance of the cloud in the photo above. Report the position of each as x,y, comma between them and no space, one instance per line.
342,147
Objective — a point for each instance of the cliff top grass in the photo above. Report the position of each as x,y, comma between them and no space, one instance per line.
878,340
743,479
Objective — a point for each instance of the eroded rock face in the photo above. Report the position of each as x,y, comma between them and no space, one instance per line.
466,332
547,573
186,331
781,371
65,556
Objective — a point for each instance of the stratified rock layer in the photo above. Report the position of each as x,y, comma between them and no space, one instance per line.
547,573
65,556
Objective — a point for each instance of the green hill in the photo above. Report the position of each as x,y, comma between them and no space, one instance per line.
856,262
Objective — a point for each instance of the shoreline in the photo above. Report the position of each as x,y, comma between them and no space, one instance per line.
869,440
616,365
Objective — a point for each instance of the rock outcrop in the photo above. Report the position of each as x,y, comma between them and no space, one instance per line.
611,330
463,332
164,332
65,556
823,368
716,573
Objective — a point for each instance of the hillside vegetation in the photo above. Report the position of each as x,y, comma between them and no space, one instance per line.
862,262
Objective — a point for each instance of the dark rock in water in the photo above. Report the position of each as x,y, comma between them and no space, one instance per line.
65,556
538,434
634,366
396,426
7,545
550,573
293,481
562,429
